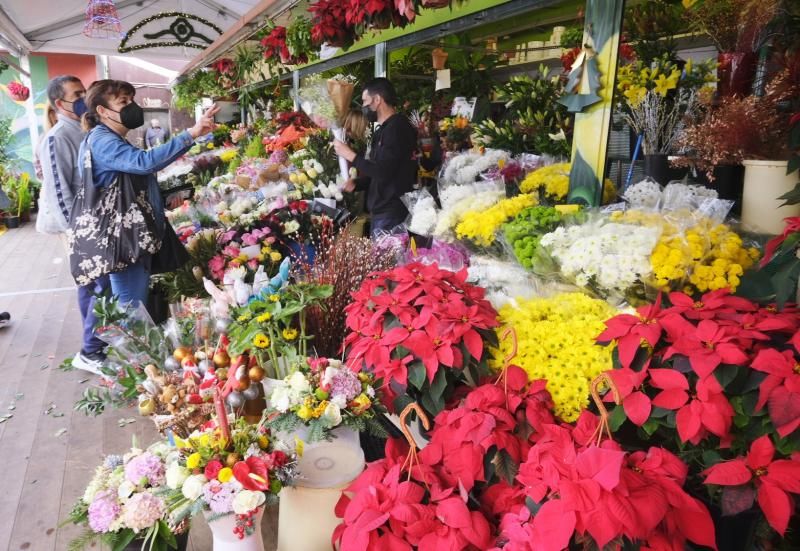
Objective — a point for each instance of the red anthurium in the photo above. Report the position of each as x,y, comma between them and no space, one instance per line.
774,480
707,347
252,473
631,330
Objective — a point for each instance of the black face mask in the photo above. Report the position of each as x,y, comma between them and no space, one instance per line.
131,116
372,116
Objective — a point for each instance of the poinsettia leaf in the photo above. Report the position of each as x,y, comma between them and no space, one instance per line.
637,407
505,466
762,450
776,505
488,463
696,524
553,526
728,473
650,427
617,418
784,410
474,344
532,506
417,375
737,499
438,385
726,374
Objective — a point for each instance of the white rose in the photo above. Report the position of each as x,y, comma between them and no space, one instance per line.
299,383
176,476
332,416
246,500
279,399
193,487
125,490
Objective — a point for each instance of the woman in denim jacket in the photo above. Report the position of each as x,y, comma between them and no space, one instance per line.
111,113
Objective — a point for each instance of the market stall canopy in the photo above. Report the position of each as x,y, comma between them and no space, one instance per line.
58,27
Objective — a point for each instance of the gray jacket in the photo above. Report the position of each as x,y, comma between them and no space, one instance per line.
58,155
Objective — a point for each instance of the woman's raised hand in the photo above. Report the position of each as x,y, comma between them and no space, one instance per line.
205,124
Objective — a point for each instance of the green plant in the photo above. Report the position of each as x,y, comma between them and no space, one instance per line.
5,138
298,38
200,84
572,37
534,121
254,149
19,189
651,28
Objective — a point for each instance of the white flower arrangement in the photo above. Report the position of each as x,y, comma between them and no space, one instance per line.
645,195
611,257
503,281
466,168
450,216
422,211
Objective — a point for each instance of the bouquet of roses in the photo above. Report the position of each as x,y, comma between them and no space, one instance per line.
245,253
125,501
226,475
323,394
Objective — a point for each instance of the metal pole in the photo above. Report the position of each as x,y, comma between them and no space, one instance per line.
296,89
30,108
381,64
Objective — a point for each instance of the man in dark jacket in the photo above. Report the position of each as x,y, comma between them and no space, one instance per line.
391,169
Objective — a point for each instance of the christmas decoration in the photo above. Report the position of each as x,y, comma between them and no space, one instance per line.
102,20
180,28
18,91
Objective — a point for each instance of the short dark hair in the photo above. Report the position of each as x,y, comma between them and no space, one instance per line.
382,87
55,88
100,93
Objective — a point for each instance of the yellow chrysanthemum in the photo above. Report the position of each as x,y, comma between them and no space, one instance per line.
261,341
480,226
556,342
290,334
265,317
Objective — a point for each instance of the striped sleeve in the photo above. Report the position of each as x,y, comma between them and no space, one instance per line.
51,149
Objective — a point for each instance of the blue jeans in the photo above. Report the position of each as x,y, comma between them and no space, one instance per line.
384,222
131,284
86,296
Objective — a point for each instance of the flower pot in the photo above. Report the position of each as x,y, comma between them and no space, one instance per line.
12,222
439,57
224,538
327,463
764,182
307,518
181,539
728,183
657,166
735,73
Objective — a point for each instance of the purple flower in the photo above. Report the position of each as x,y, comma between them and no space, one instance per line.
142,511
219,496
345,383
279,156
103,511
145,466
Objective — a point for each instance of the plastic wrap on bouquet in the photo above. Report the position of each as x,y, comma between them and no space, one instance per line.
327,463
224,538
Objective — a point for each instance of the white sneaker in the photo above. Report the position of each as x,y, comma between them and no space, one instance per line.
81,361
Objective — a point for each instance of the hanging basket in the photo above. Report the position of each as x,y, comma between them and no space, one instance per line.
439,57
18,91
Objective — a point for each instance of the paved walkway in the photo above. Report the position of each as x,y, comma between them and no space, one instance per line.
48,451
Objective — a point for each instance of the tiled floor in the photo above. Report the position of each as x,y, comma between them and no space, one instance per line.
47,450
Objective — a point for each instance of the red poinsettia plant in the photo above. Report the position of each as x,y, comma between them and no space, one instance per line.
421,330
330,25
18,91
276,48
500,472
709,379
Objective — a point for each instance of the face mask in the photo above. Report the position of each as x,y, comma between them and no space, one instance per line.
131,116
78,106
372,116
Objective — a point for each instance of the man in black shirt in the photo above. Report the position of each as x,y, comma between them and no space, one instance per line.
391,169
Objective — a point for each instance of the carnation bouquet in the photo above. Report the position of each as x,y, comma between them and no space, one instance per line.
419,329
322,394
125,502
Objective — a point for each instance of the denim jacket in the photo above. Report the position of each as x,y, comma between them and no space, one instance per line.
111,154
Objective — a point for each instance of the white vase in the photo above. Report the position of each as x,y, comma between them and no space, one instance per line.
327,464
307,518
764,182
224,539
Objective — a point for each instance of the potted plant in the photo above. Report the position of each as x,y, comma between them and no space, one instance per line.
439,57
736,29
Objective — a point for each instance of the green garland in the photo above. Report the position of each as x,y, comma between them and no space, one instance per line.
124,48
